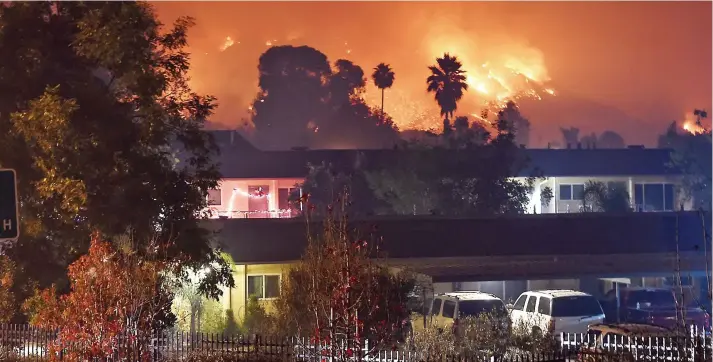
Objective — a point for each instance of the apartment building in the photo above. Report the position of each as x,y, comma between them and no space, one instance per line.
257,184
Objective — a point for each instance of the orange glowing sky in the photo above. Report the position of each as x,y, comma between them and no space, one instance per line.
630,67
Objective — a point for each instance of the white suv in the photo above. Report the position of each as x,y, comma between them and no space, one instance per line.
556,311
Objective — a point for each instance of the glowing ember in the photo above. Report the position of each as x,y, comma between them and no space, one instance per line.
227,43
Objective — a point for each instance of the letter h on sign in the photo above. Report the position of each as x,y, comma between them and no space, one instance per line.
9,225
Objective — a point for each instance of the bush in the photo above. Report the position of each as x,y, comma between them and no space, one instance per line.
257,320
115,294
484,336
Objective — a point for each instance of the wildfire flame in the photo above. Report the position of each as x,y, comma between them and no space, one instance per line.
227,43
692,127
496,73
692,123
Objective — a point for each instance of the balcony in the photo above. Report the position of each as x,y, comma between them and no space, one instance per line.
267,214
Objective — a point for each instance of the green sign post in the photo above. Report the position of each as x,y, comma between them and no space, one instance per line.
9,222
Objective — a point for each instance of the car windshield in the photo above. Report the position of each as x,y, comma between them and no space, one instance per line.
476,307
654,298
576,306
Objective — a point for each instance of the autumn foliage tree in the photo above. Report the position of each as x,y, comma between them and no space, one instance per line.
117,299
341,294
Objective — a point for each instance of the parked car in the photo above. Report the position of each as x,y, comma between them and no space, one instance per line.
620,342
556,311
655,306
447,309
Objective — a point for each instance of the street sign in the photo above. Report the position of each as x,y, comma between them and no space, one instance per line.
9,222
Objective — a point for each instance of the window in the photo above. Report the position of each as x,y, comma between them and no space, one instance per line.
264,286
571,192
654,197
544,306
520,303
436,307
449,308
258,203
477,307
283,198
214,197
616,185
531,304
576,306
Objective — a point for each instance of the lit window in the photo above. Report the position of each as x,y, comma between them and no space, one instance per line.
571,192
213,197
264,286
654,197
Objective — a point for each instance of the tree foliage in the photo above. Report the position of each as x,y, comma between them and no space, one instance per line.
305,102
341,291
448,83
600,197
94,99
7,297
692,156
383,77
117,296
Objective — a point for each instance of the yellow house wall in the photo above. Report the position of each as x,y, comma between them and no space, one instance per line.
237,298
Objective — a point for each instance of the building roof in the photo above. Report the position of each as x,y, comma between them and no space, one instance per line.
472,295
246,164
557,293
284,240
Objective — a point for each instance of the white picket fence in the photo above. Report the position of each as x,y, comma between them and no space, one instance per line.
693,347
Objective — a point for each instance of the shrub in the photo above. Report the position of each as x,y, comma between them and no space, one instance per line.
117,297
340,290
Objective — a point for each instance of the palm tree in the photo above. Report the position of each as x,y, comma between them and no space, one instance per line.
383,77
448,82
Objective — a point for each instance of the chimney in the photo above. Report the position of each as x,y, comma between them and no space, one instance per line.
579,145
569,145
549,145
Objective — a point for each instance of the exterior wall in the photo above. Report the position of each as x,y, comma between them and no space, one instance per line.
234,198
564,206
237,298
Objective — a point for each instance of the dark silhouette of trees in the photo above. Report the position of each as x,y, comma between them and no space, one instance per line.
346,83
520,124
600,197
94,103
692,156
383,77
570,137
292,89
610,139
304,102
448,83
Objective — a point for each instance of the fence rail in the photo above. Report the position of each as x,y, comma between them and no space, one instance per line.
26,343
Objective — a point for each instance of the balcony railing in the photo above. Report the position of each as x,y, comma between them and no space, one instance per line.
261,214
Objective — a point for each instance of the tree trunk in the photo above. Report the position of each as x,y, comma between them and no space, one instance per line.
382,101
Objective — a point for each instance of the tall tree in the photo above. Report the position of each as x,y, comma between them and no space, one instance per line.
692,156
383,77
93,100
570,137
290,104
520,124
448,83
346,82
610,139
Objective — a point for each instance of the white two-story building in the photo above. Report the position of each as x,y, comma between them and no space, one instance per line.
257,184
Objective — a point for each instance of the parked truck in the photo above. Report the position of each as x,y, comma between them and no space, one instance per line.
654,306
